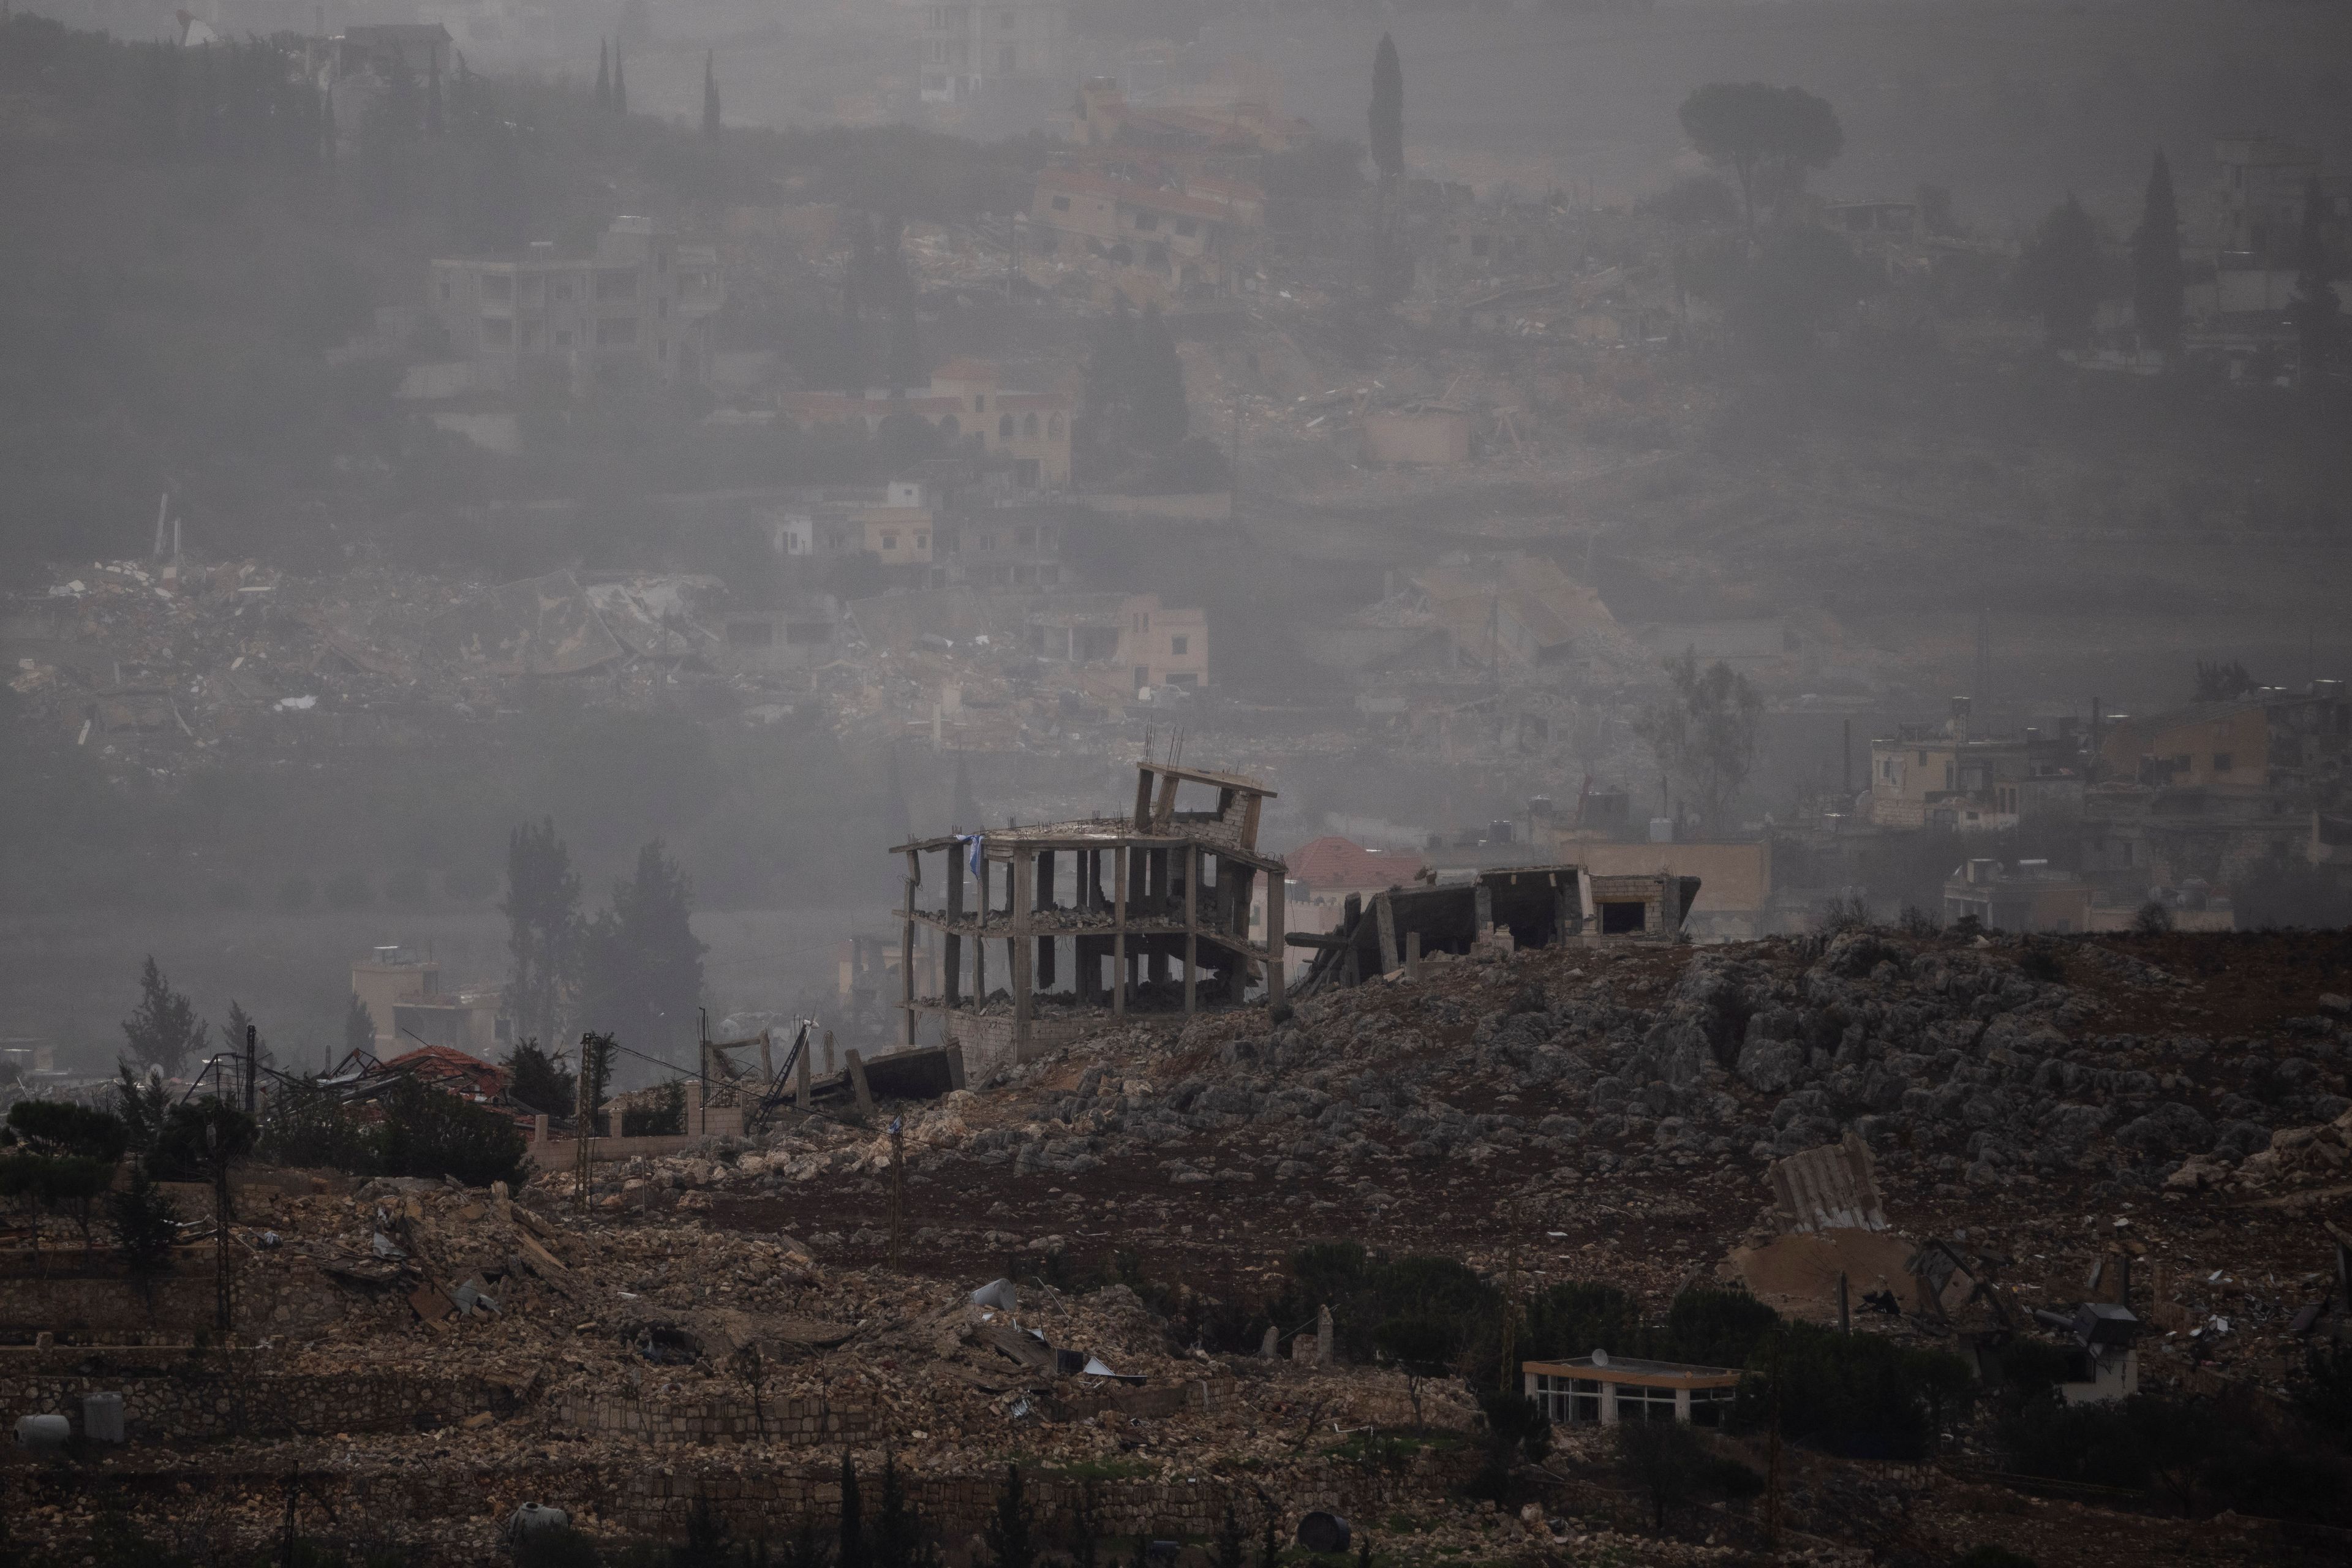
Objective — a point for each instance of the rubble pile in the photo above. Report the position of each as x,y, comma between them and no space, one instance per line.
726,1321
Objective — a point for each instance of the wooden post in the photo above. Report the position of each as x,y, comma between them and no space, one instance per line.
582,1161
1191,921
1118,933
1277,893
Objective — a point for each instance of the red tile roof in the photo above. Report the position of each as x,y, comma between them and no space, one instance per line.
1134,194
447,1067
1332,861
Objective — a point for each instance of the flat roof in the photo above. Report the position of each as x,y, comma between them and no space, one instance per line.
1601,1367
1242,781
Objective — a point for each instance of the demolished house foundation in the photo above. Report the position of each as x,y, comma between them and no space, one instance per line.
1537,906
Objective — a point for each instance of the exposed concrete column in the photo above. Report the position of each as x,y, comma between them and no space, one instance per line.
1043,900
1119,859
907,954
1192,926
979,941
1384,916
1278,893
952,992
1025,877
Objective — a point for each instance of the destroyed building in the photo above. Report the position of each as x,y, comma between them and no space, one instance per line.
1152,909
641,299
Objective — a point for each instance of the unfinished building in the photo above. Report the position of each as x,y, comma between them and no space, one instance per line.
1146,913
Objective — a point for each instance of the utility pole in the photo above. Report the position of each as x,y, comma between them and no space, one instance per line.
1510,1301
225,1264
1234,496
579,1158
286,1537
1980,710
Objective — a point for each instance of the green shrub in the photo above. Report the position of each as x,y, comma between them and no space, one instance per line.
1577,1318
1855,1394
2029,1369
665,1117
146,1223
2323,1395
429,1132
2197,1454
304,1125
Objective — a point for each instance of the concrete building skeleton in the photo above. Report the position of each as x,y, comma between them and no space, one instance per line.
1161,897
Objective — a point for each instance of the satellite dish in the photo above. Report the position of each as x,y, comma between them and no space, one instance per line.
1600,1358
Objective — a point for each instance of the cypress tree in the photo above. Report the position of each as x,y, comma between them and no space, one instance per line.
604,77
2059,275
433,99
710,95
620,83
851,1552
2156,263
1109,393
642,971
1008,1538
1161,417
1387,116
903,358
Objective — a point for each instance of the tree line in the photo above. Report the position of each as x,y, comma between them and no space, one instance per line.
631,972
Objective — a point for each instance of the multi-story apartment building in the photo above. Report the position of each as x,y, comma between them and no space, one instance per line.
642,299
964,402
963,47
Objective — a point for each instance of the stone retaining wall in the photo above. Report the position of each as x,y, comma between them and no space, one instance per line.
275,1298
173,1395
761,1498
801,1423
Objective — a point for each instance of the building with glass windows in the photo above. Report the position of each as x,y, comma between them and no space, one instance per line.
1601,1389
